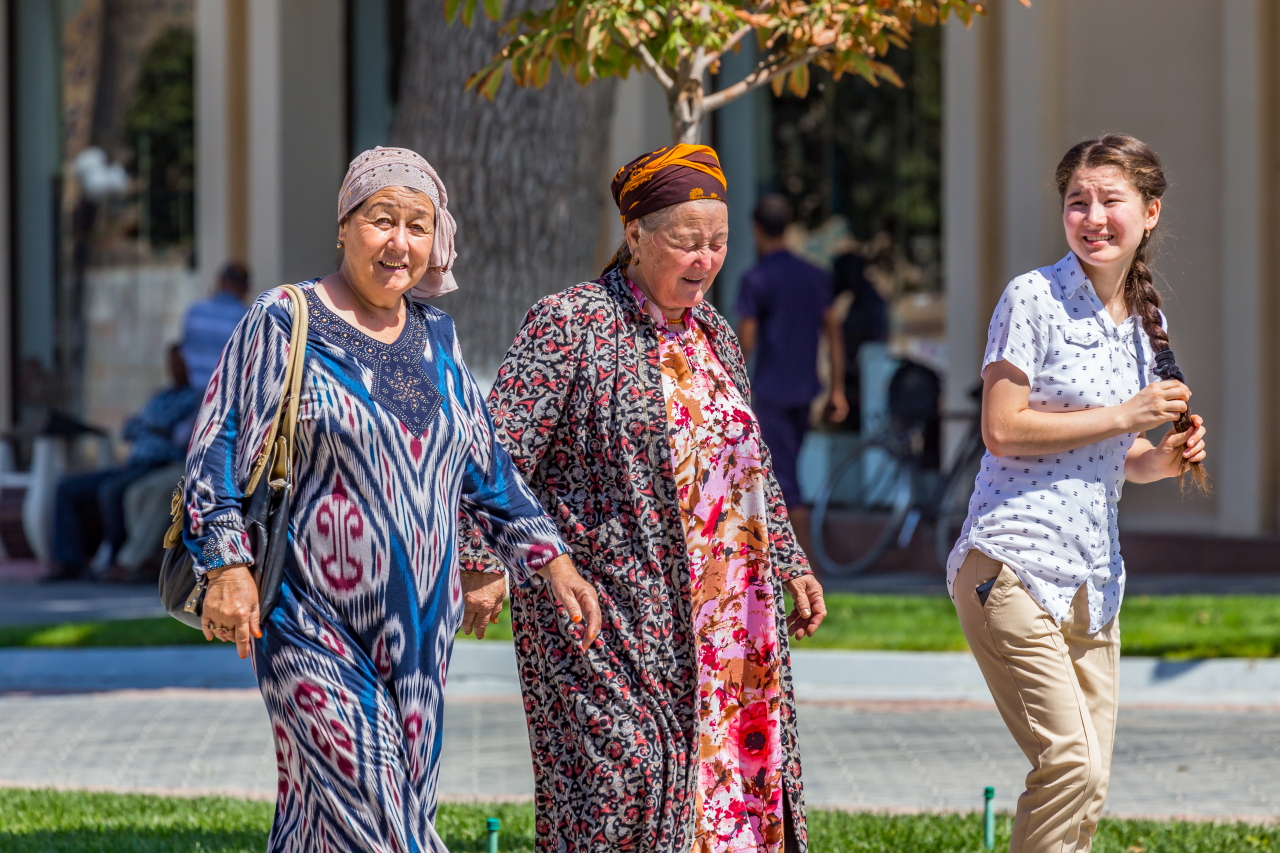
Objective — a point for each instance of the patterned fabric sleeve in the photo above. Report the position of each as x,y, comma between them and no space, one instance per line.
499,512
1018,332
526,403
239,405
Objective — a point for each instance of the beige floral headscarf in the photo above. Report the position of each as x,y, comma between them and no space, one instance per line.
380,168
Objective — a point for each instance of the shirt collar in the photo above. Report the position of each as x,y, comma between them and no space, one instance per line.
1070,274
656,313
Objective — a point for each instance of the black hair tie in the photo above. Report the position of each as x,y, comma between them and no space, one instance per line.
1166,368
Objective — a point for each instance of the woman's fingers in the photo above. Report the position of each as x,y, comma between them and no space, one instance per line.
591,606
569,598
810,608
244,640
255,625
801,596
818,605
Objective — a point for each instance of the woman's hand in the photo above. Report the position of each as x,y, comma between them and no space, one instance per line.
1157,404
577,596
1175,447
482,596
230,610
1149,462
809,610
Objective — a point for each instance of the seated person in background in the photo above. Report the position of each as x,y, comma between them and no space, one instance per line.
210,322
89,508
784,308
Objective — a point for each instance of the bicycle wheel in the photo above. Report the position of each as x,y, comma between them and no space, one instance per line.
953,508
860,509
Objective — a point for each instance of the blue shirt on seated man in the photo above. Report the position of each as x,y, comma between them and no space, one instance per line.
89,508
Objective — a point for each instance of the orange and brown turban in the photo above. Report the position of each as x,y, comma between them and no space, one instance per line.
665,177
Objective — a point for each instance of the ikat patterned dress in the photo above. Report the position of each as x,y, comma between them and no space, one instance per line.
393,439
720,479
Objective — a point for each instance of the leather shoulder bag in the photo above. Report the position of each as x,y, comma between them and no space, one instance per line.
265,506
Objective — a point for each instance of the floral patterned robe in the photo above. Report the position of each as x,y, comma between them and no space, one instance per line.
615,730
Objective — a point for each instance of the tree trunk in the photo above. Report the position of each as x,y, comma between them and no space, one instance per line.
685,108
525,175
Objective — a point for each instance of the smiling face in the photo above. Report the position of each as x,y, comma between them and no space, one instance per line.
387,242
1105,217
680,259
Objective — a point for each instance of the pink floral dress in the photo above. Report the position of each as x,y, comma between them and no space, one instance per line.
717,456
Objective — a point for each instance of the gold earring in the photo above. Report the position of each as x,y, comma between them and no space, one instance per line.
339,244
635,260
1146,234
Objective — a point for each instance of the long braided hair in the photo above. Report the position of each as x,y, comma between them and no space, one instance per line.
1142,168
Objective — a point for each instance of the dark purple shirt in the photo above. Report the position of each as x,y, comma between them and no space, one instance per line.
787,297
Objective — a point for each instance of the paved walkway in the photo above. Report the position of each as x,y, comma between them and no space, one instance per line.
856,754
878,730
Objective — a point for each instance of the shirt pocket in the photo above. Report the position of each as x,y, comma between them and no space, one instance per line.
1082,336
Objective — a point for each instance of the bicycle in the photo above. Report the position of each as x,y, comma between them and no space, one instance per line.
879,493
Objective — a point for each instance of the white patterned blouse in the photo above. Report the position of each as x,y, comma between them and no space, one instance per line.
1052,518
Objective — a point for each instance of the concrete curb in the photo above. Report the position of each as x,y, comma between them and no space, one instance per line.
487,669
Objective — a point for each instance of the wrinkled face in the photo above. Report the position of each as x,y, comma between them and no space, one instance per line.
387,241
681,259
1105,217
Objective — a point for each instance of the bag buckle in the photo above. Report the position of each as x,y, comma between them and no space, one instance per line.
197,593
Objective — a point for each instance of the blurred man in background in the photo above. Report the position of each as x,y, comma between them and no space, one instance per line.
210,322
89,508
784,307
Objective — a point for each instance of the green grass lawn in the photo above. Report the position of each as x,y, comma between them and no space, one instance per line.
1175,626
41,821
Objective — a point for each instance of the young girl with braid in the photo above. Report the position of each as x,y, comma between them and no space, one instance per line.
1070,388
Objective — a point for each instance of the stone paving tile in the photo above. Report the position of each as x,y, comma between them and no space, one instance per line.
860,755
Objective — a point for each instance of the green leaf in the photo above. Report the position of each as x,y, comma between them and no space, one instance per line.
799,82
493,9
451,9
542,73
468,12
490,88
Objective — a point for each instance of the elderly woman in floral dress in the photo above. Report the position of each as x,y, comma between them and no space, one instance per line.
624,403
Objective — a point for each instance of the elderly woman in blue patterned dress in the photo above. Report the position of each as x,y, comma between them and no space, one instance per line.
393,439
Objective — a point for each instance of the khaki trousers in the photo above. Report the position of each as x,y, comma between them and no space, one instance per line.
1056,688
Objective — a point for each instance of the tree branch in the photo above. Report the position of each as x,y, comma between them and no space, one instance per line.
652,64
711,58
763,74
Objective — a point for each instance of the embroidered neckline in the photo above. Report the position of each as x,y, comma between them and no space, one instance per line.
400,382
350,337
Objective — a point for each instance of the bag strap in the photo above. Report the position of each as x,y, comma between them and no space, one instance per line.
284,428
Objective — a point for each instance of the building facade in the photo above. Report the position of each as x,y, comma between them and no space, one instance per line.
93,284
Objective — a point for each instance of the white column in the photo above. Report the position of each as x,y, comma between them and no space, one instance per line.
6,292
1023,126
961,214
211,137
1241,437
264,196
